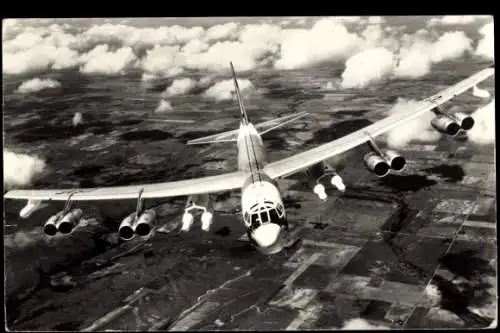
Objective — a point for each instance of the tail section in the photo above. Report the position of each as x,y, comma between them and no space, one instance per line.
244,117
262,128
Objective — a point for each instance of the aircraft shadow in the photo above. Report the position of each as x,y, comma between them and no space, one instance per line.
451,173
410,183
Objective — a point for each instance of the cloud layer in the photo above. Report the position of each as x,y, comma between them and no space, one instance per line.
170,51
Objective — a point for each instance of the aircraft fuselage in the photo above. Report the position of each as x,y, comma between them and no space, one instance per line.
262,208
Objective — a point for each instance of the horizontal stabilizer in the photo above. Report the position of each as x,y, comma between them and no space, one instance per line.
165,120
262,128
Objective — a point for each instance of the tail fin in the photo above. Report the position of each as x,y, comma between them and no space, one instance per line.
244,117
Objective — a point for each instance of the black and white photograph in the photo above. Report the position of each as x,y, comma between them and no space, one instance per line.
249,173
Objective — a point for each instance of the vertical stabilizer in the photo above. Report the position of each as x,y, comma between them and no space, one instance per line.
244,117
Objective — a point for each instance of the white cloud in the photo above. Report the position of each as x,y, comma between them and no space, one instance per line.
361,324
102,61
416,129
38,58
450,45
376,20
77,119
163,60
223,90
195,46
20,169
170,50
163,106
414,64
326,40
227,31
347,19
179,87
453,20
485,47
483,131
37,84
366,67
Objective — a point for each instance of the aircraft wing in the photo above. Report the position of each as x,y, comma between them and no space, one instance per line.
203,185
295,163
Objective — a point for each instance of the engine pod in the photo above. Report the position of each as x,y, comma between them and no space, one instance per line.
376,164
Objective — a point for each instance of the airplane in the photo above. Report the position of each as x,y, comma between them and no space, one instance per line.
262,208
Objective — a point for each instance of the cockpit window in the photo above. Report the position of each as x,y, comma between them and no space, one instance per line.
273,214
264,217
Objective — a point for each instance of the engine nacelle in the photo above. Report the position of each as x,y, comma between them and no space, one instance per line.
445,125
69,221
395,160
187,221
206,220
31,206
145,222
376,164
126,230
465,121
50,227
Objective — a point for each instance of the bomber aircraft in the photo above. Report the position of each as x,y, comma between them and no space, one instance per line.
263,211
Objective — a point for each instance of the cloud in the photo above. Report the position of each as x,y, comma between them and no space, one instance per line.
366,67
20,169
102,61
223,90
483,131
485,48
163,106
227,31
376,20
77,119
418,54
453,20
450,45
180,87
416,129
169,51
361,324
163,60
414,64
37,84
326,40
146,77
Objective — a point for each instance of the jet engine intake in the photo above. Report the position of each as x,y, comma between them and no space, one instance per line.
144,223
69,221
445,125
50,227
126,229
395,160
465,121
376,164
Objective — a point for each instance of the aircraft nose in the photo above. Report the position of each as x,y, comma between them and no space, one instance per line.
267,234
